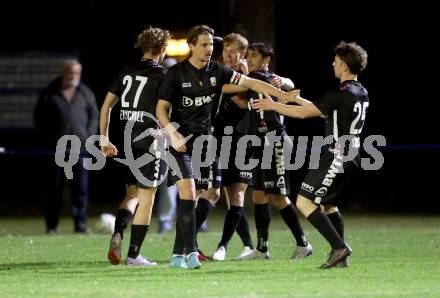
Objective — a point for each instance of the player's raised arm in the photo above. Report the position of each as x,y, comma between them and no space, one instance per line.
241,83
308,110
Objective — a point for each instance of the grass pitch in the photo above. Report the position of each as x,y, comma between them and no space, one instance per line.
393,256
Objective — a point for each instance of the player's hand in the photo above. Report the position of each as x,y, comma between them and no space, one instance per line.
276,81
291,96
243,66
178,141
263,104
107,148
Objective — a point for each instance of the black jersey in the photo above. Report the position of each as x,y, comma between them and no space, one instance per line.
137,87
345,108
193,91
267,120
226,113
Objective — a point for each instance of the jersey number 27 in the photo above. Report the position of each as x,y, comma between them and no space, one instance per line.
128,80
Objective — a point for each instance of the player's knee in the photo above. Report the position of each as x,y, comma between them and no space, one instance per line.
301,204
330,209
129,202
279,201
215,194
237,200
186,189
212,195
187,193
258,197
237,195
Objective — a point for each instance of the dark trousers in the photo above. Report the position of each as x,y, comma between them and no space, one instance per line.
79,195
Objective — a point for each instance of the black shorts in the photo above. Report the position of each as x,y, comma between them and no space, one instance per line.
151,174
129,178
274,180
324,185
233,174
147,175
123,171
210,176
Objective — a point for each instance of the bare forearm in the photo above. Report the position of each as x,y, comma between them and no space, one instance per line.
163,115
287,110
106,109
263,87
104,120
302,101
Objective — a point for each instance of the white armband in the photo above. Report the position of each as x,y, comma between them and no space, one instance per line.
237,78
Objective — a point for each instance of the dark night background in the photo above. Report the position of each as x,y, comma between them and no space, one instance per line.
401,40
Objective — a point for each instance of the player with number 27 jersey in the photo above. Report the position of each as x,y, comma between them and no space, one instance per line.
138,86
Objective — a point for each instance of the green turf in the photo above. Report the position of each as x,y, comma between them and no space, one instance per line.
392,257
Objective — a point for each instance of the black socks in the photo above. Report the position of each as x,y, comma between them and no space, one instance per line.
262,221
203,208
290,217
323,224
123,218
138,233
233,217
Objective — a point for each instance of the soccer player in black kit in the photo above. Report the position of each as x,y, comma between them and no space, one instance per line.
136,88
190,88
271,185
345,109
235,181
229,112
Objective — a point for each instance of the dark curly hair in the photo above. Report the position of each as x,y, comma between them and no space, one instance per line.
263,48
353,55
152,39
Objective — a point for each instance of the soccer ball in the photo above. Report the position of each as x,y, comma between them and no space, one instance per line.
106,223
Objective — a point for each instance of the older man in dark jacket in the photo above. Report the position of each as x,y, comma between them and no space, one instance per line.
67,107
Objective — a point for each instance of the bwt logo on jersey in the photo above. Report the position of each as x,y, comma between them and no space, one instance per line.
281,182
321,192
329,177
198,101
156,168
279,158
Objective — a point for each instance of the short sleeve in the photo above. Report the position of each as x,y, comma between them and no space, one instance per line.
330,101
116,87
168,89
229,76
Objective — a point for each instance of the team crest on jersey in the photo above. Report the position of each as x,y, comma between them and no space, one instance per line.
213,81
186,85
